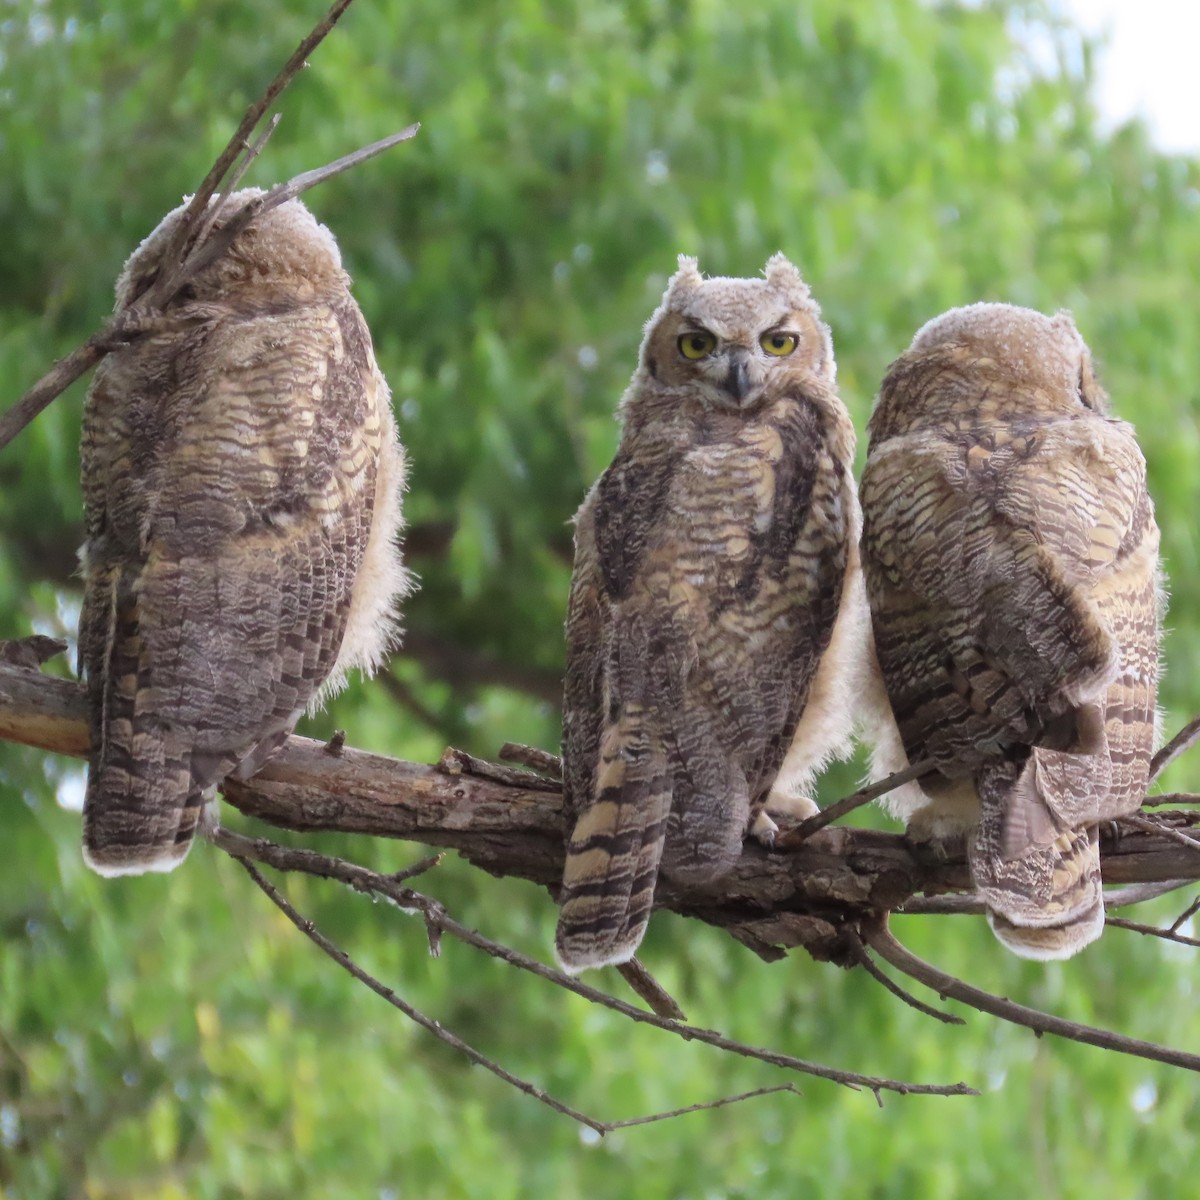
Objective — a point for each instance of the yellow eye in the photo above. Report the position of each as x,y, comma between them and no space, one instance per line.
697,345
778,343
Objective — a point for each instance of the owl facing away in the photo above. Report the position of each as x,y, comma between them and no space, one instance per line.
712,559
241,482
1011,561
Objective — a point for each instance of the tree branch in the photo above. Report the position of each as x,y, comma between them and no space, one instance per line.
193,245
439,921
807,896
1183,741
880,939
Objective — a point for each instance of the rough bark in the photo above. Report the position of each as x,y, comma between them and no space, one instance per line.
808,895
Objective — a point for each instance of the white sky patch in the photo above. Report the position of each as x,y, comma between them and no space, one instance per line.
1148,67
70,789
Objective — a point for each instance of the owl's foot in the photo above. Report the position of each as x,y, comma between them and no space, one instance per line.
795,808
763,829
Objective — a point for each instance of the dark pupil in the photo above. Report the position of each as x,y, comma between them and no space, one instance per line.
697,343
777,341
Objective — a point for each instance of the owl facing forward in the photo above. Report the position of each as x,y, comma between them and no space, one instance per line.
241,481
711,560
1011,560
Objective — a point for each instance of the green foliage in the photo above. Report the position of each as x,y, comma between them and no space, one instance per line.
176,1037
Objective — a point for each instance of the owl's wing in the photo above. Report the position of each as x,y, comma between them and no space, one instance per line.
978,569
1015,603
218,585
616,782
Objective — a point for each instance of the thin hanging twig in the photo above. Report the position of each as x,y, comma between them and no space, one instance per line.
881,940
868,964
443,1034
362,879
439,1031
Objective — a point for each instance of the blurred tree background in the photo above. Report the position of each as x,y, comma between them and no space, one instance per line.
174,1037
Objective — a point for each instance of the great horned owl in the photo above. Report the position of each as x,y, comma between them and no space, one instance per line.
1011,560
711,559
242,480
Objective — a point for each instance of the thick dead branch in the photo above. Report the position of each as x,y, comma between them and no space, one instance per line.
807,896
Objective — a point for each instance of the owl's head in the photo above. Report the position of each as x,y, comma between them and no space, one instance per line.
731,343
283,250
989,362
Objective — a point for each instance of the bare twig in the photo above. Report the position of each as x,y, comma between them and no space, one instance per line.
459,762
839,809
881,940
533,758
1183,741
57,380
1150,825
971,904
691,1108
418,868
868,964
439,1031
943,906
645,985
1170,799
31,652
203,255
1152,930
1188,912
212,182
362,879
1139,893
214,212
187,253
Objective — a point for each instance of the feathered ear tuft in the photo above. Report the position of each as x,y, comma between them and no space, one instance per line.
686,279
781,273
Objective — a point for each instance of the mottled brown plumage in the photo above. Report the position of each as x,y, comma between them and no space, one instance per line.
710,560
242,480
1011,560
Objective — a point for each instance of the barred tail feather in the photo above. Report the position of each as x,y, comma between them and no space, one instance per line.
140,813
615,849
1047,902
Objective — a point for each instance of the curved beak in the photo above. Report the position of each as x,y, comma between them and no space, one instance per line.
737,379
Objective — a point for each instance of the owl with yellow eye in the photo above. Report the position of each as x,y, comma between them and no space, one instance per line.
715,602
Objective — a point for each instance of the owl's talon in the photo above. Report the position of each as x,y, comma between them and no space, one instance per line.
763,830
